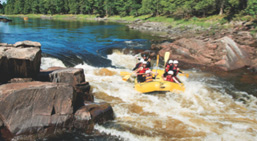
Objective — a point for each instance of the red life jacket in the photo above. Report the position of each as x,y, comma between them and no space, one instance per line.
169,78
167,68
175,70
143,70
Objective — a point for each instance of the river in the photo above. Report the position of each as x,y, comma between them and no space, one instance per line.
214,106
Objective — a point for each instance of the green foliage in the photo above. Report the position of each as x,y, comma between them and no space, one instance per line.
171,8
252,7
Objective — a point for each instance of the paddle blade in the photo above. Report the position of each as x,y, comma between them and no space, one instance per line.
184,74
123,73
166,57
125,78
157,61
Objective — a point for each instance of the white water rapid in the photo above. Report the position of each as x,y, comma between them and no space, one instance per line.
205,111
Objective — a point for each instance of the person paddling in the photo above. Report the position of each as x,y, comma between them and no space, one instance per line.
148,60
139,64
170,77
141,72
149,77
168,67
176,70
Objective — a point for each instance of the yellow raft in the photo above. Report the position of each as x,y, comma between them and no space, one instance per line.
159,85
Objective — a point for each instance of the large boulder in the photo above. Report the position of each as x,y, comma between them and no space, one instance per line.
19,62
234,57
223,53
100,112
72,76
34,107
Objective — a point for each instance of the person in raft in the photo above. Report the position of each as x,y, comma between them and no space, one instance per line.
139,64
141,72
148,60
176,70
148,76
168,67
170,77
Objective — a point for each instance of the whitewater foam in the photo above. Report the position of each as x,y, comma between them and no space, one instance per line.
204,111
47,62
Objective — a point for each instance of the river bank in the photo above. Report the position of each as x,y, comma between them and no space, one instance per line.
210,109
200,33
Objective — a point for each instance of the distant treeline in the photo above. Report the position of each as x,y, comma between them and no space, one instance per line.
175,8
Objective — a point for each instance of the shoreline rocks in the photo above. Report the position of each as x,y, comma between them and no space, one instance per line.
21,60
5,20
215,48
37,103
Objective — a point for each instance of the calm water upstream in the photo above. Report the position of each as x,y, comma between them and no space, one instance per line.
215,106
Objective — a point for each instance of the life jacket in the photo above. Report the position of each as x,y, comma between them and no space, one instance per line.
175,70
169,78
168,67
138,65
149,78
142,70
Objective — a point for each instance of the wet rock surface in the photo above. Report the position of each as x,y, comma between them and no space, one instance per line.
19,61
213,47
37,103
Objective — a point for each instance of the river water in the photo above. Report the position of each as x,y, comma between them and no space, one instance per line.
214,106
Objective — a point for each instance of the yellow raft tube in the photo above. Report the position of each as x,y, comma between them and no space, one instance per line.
159,85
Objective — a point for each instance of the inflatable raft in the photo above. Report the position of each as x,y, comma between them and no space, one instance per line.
159,85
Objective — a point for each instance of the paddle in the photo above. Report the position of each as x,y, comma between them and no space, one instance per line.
166,57
157,63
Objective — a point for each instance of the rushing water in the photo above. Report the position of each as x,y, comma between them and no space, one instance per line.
215,106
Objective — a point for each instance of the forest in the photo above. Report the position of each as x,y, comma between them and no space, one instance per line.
105,8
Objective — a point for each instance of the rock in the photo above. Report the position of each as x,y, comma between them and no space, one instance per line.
72,76
5,20
76,78
1,123
224,53
3,44
19,62
100,112
43,75
83,91
18,80
34,107
235,57
83,120
27,44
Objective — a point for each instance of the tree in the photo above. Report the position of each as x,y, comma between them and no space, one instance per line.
73,6
251,7
1,6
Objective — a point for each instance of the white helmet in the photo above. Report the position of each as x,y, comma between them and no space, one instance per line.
148,71
144,62
175,61
171,61
170,72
